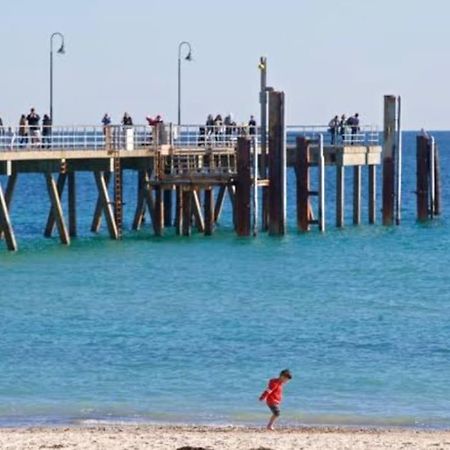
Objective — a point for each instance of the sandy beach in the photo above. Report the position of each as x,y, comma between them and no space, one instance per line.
200,438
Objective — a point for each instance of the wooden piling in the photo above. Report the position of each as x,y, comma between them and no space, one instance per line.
242,205
208,206
356,195
303,183
97,219
140,202
5,223
437,182
219,203
197,211
390,113
187,212
51,220
118,196
105,203
179,211
277,164
340,196
72,195
322,189
55,201
158,222
422,178
9,192
168,195
372,179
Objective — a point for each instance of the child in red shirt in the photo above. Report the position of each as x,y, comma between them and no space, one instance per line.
273,395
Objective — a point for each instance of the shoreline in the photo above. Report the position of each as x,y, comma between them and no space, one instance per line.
162,437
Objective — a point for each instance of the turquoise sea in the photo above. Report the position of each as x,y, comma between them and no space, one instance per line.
189,330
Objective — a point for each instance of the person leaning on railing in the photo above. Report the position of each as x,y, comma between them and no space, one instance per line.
33,120
333,128
353,123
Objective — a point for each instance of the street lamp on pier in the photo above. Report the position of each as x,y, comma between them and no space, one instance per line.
188,57
60,51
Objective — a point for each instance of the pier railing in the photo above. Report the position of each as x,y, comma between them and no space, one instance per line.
117,137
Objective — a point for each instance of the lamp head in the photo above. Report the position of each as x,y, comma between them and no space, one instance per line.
61,49
189,56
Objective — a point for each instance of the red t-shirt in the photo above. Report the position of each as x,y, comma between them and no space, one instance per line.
274,393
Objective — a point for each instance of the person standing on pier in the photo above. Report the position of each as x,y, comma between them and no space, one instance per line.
218,127
46,131
33,123
333,128
127,121
2,130
353,123
343,128
23,130
252,126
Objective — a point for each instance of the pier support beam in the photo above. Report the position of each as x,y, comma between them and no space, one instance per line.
97,219
422,178
302,176
106,205
72,201
9,192
277,164
340,196
51,220
242,204
140,203
158,222
390,114
372,194
197,211
187,212
56,207
357,195
209,211
5,223
219,203
168,195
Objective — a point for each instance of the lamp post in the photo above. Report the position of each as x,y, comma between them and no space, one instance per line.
61,51
188,57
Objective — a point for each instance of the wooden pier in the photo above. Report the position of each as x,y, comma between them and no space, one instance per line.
200,172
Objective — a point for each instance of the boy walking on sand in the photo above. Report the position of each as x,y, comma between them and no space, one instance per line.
273,395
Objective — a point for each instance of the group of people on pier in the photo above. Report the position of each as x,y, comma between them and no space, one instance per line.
30,131
343,129
223,130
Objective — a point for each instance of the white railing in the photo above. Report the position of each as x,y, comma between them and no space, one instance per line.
184,136
346,135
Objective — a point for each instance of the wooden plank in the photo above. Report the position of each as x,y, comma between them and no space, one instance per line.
72,203
242,203
209,211
340,196
106,207
51,220
55,201
357,195
302,182
5,224
97,219
390,112
219,203
422,178
197,211
372,194
277,164
187,213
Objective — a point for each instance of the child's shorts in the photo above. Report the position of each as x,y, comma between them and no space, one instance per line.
275,410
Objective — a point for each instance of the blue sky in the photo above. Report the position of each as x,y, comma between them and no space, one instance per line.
328,56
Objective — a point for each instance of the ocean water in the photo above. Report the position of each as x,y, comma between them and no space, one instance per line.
189,330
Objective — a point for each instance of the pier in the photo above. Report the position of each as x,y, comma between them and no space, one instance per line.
200,168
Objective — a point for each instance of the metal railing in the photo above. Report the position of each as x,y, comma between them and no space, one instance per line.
117,137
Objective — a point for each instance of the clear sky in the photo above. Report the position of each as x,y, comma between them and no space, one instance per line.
328,56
